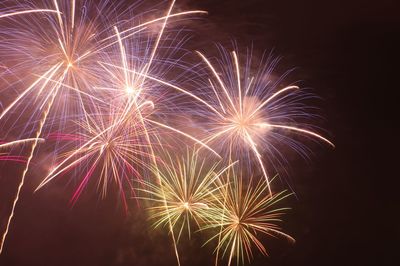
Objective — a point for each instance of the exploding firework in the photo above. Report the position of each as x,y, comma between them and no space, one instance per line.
59,50
246,212
252,114
186,193
106,86
50,60
106,149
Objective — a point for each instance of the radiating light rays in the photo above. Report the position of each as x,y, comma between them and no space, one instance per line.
184,134
186,195
134,28
59,55
50,72
22,12
25,171
50,45
75,39
5,147
136,88
114,153
246,212
17,142
113,93
167,84
307,132
250,111
12,158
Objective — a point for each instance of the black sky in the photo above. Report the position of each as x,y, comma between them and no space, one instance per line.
345,214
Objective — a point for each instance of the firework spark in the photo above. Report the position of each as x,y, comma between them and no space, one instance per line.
56,62
17,142
4,156
27,12
245,212
108,86
186,193
105,147
250,110
61,49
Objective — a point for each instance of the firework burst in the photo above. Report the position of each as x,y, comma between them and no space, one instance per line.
186,193
58,50
107,87
251,112
245,213
52,56
110,149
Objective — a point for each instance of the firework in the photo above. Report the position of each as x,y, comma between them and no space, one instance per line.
4,146
104,147
52,56
22,12
251,113
57,50
246,212
108,88
186,193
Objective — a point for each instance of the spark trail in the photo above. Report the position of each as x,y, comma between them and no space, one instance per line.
21,184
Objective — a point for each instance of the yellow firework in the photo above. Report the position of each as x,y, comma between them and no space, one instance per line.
186,193
246,212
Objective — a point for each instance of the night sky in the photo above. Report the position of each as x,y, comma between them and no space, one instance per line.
347,52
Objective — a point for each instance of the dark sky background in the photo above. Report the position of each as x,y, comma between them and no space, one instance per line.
345,213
